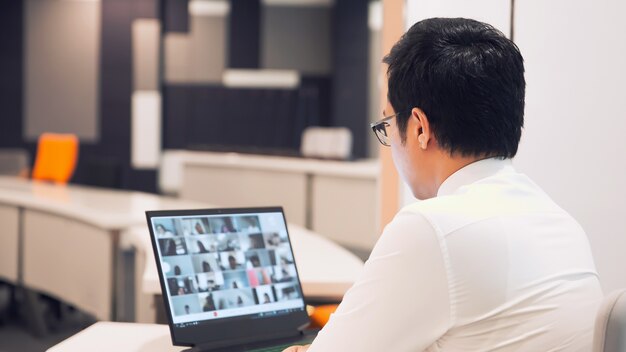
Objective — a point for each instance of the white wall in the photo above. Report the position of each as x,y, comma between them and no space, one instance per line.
573,141
495,12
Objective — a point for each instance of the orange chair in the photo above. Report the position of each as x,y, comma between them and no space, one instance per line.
321,314
56,157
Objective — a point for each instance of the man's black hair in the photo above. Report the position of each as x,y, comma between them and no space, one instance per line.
467,77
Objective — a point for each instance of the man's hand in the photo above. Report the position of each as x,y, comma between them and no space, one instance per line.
297,348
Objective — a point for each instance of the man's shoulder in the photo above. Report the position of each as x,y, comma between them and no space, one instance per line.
445,204
420,216
477,202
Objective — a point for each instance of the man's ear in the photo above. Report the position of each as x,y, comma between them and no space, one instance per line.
421,127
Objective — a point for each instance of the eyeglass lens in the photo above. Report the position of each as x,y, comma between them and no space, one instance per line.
381,133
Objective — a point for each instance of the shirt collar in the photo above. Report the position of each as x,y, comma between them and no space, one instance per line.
473,172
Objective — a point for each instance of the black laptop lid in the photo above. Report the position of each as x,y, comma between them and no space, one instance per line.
227,275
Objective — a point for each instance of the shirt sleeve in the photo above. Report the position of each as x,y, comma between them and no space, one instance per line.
401,301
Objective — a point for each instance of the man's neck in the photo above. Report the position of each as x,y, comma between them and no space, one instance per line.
450,164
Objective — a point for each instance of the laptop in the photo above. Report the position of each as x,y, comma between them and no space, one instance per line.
229,279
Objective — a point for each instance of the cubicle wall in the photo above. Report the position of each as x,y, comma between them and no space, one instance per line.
69,260
236,187
338,200
345,209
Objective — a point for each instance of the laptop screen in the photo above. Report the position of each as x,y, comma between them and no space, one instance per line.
219,266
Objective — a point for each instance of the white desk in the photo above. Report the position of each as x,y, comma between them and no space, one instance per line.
120,337
336,198
67,240
71,239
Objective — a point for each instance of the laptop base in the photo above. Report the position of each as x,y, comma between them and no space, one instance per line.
306,337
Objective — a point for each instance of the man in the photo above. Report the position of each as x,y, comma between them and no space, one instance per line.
487,261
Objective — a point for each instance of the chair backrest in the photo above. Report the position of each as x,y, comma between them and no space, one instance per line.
610,328
326,142
56,157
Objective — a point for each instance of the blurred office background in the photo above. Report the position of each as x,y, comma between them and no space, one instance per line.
158,95
132,78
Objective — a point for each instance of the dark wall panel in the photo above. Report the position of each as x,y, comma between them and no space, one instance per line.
175,15
350,68
316,99
262,120
116,78
11,86
175,105
298,38
107,163
244,34
115,94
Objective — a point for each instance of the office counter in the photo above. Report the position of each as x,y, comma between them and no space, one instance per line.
63,240
338,199
105,208
70,242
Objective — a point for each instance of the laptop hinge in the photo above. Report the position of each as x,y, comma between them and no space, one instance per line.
244,340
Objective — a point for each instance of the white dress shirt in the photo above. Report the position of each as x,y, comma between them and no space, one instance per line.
490,264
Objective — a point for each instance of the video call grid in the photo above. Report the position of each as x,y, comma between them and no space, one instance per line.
222,262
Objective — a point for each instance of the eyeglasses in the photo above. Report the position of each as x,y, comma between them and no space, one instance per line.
380,129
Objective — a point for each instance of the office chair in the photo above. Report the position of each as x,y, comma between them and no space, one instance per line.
321,314
56,157
610,328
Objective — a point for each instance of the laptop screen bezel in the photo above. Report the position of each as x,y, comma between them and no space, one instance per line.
226,329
